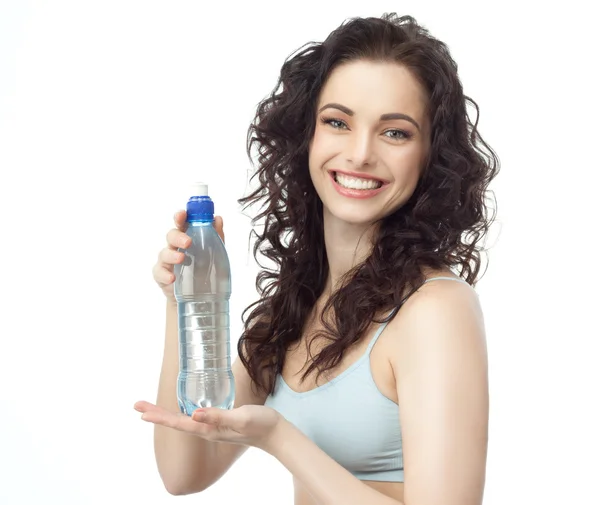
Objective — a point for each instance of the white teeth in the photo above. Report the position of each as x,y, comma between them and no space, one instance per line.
356,183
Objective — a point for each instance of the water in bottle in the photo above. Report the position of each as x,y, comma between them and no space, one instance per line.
202,289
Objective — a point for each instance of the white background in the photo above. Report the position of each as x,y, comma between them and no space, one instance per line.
107,110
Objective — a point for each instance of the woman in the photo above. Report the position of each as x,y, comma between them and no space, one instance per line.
362,368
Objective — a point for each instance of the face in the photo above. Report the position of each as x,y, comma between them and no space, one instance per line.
371,140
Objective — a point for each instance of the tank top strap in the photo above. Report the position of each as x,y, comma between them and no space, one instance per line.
446,278
377,334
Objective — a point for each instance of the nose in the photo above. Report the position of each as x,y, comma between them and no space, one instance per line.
361,150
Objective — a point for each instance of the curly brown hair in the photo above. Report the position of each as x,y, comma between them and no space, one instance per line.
441,225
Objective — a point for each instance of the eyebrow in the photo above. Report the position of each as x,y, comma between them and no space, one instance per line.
384,117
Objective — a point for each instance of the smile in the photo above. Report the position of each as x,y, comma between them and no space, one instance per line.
356,187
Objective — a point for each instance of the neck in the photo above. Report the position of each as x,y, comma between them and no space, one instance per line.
346,245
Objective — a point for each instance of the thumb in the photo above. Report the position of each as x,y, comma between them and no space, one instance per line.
210,415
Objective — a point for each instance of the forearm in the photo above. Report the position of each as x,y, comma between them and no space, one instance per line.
181,457
328,482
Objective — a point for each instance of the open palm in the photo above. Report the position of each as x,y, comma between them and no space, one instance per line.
251,425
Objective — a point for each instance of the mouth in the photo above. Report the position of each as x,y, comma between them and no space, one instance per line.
355,182
357,187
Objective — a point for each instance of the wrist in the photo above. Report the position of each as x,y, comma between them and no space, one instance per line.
276,439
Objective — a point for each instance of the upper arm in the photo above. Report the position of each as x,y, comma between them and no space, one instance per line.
442,385
245,394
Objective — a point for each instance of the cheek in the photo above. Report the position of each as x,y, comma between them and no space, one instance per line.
316,153
408,163
322,145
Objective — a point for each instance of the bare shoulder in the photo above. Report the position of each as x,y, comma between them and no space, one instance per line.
440,313
440,325
439,359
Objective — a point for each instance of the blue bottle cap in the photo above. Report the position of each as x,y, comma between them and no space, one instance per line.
200,207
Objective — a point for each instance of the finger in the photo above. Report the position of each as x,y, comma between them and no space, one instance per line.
179,422
164,418
176,239
218,225
169,257
163,274
214,416
143,406
180,220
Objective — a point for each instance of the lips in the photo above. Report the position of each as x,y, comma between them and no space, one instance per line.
360,194
357,175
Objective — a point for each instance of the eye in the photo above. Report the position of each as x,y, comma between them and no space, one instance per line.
398,134
338,124
335,123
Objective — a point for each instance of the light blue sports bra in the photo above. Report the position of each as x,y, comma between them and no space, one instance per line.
349,418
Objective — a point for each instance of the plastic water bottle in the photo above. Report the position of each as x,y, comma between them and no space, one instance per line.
202,289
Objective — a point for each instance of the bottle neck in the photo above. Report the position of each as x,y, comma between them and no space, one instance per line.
201,222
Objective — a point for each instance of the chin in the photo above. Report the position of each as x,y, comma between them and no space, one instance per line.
353,215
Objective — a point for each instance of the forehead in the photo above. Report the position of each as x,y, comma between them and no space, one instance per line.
375,88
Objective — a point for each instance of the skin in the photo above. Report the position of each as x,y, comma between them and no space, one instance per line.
434,369
364,144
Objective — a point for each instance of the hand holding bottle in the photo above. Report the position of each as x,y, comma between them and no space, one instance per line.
170,256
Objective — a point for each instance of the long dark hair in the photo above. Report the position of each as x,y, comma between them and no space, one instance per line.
441,225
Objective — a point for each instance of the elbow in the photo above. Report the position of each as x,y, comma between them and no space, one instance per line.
174,490
177,486
179,489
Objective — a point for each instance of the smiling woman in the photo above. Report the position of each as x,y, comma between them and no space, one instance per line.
362,368
364,146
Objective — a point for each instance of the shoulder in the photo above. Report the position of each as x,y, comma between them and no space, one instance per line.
441,316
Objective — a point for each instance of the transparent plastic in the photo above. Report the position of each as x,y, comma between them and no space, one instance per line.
202,289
